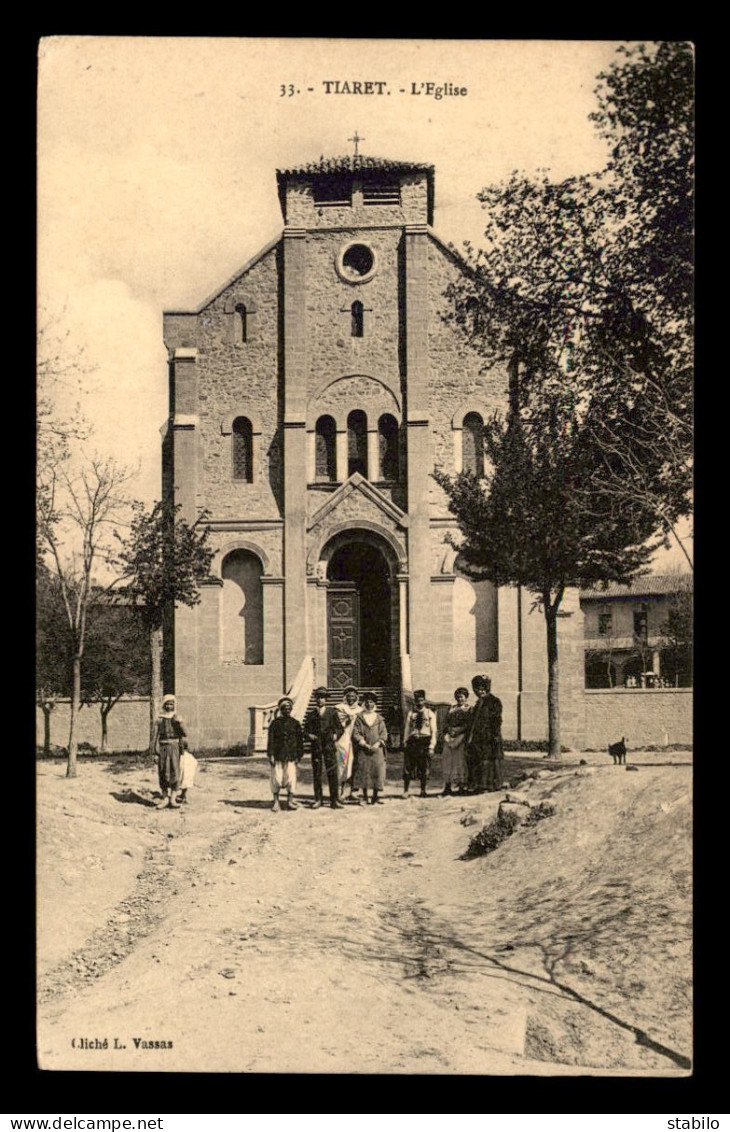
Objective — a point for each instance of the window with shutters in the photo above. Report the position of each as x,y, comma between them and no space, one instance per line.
385,190
325,449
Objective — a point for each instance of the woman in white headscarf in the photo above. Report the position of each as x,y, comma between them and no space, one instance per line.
348,711
167,746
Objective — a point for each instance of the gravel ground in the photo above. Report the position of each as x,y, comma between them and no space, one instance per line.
224,937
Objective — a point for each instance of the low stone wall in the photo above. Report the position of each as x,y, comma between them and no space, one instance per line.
128,724
646,716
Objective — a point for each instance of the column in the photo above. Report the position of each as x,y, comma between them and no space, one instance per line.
419,455
274,631
341,456
184,431
311,458
295,453
373,455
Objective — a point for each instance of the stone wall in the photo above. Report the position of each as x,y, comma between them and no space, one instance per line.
240,379
301,211
457,380
332,351
128,724
645,716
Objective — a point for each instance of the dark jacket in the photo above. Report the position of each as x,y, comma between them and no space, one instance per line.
285,742
485,735
325,728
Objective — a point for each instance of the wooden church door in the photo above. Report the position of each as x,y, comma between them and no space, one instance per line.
343,625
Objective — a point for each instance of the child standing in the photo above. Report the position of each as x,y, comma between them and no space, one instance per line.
188,766
420,740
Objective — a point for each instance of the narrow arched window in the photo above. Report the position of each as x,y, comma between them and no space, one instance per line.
325,449
357,443
242,450
357,319
242,323
473,444
242,608
388,447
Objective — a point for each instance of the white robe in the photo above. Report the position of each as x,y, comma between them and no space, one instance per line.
347,713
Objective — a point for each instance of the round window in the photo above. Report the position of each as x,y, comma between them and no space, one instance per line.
356,263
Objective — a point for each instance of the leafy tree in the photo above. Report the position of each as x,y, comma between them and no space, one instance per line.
53,674
678,634
537,521
583,291
164,560
589,280
77,513
116,660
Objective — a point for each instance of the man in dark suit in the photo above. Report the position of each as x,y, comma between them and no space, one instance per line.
322,726
485,760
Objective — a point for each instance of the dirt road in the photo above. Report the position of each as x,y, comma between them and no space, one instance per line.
356,940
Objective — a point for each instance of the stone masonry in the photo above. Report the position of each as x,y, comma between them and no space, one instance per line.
276,347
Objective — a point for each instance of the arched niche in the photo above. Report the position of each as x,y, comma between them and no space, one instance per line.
242,608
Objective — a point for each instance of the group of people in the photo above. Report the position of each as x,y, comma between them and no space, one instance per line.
349,742
348,747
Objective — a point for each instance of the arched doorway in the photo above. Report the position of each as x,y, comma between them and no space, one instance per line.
359,616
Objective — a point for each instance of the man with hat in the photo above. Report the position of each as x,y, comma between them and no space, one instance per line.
167,747
323,727
285,747
419,738
484,754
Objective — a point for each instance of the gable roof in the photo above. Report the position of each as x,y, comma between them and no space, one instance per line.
646,585
358,483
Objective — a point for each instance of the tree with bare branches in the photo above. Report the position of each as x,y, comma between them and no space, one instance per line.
78,511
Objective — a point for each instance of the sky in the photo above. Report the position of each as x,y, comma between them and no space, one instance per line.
157,160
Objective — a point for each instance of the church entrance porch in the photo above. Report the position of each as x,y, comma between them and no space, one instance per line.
360,617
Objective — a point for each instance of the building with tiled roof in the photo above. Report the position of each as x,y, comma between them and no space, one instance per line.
626,642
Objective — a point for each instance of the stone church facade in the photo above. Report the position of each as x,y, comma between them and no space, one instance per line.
311,398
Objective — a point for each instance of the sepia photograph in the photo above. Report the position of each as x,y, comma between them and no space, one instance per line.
364,556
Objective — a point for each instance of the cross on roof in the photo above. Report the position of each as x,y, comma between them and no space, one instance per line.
356,139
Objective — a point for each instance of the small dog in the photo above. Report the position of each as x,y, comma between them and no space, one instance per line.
617,751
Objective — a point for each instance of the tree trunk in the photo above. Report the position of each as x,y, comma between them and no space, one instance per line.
46,728
75,705
155,679
104,728
551,622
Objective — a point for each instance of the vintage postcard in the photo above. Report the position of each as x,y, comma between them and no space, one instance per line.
364,641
